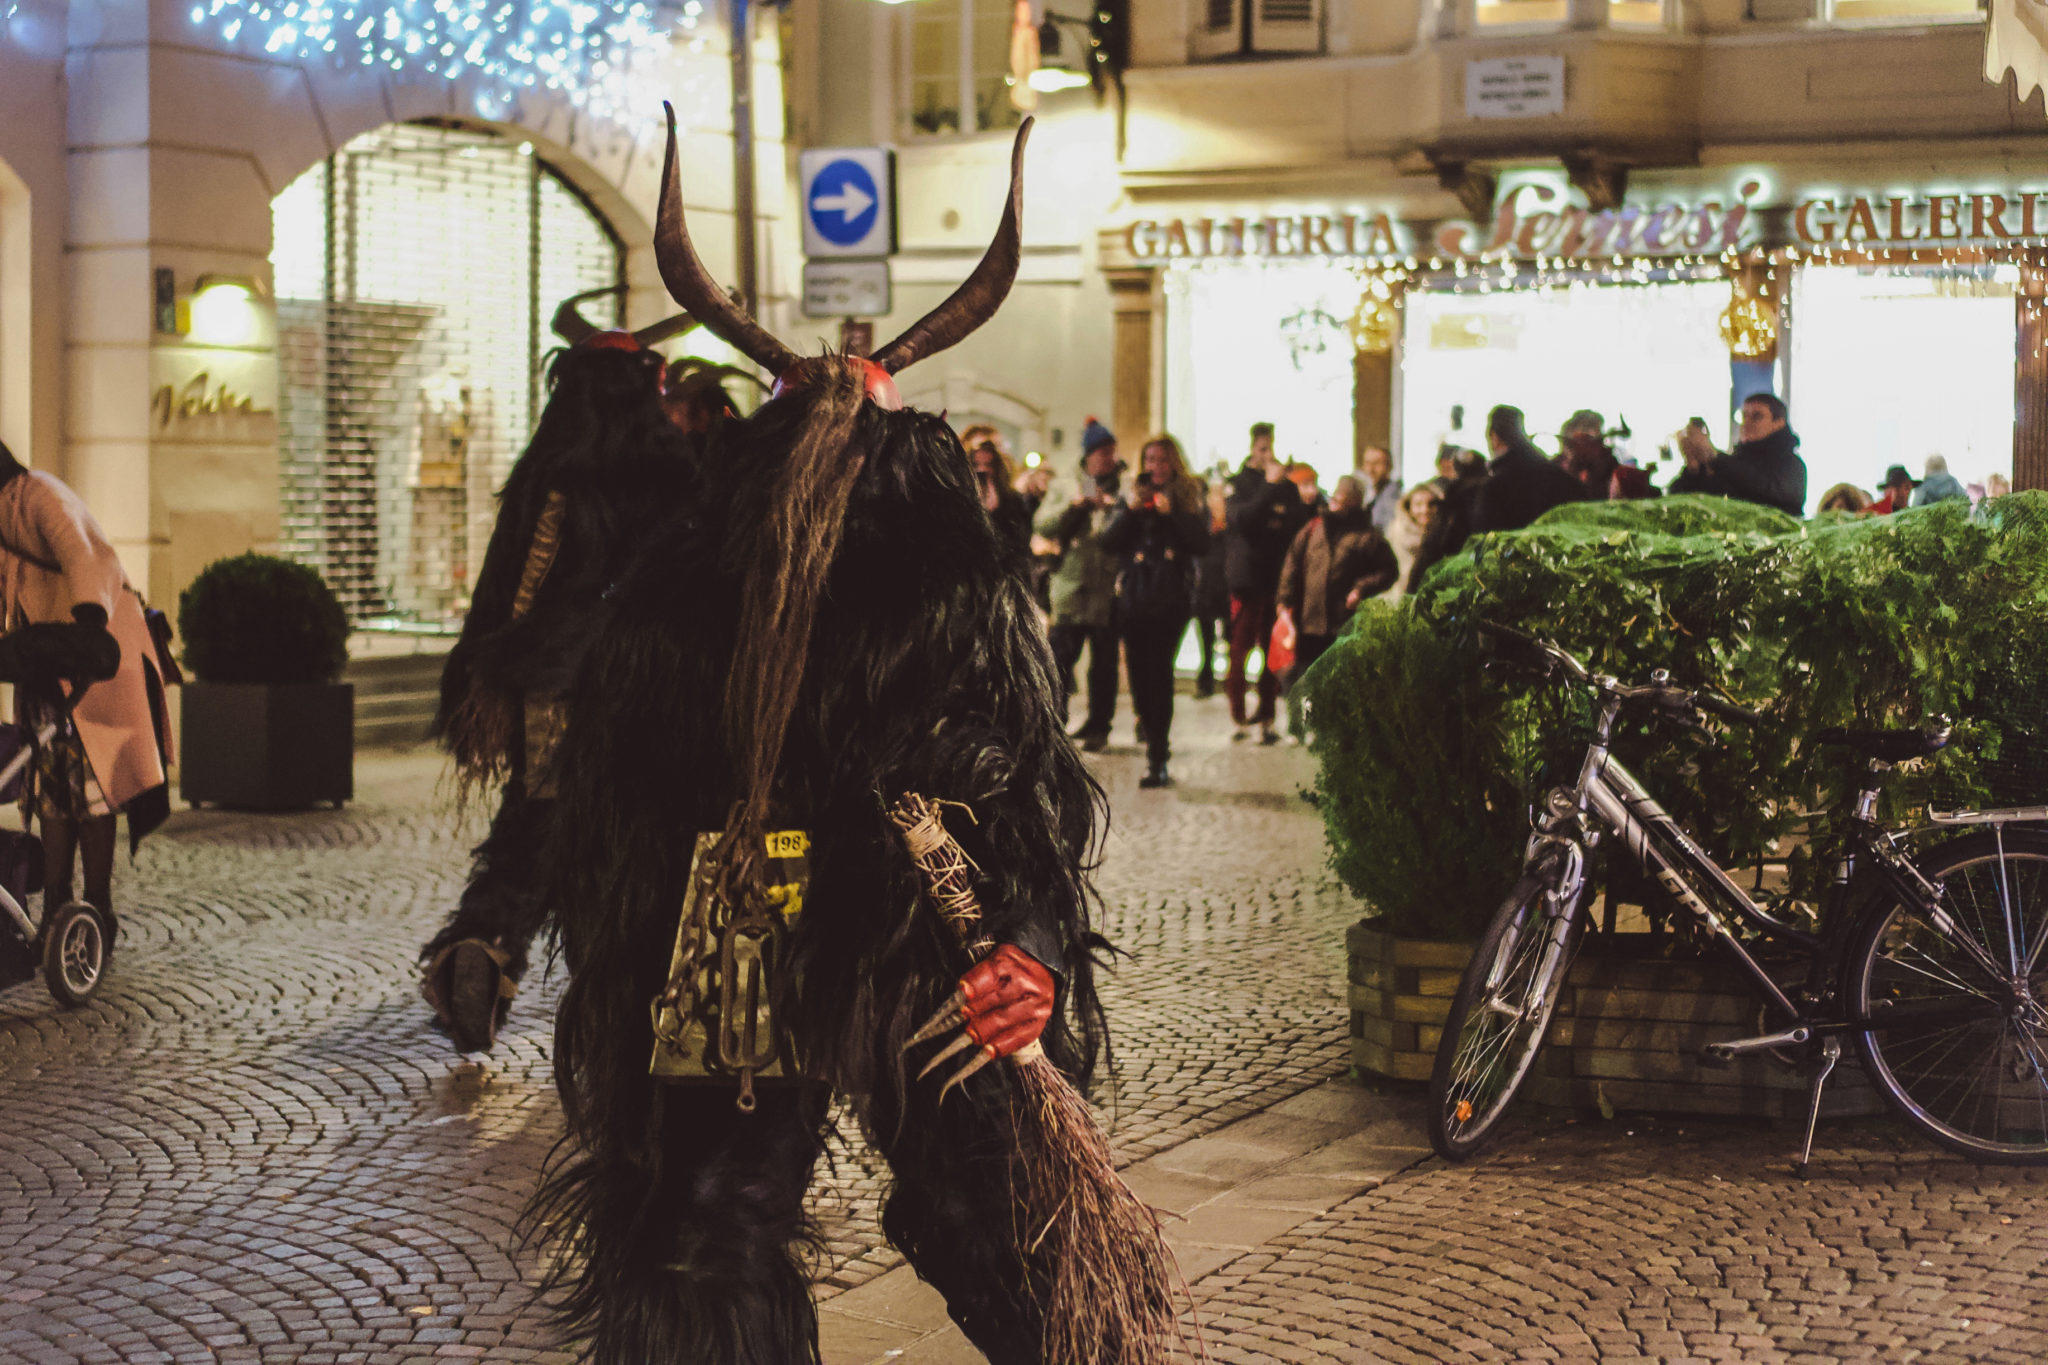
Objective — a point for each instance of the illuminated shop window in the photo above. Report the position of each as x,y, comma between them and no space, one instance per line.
1664,363
1863,330
1905,9
959,54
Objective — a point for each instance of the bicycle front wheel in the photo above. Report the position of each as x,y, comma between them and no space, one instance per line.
1500,1015
1958,1041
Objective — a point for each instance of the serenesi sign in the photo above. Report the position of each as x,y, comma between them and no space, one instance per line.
1537,220
1531,220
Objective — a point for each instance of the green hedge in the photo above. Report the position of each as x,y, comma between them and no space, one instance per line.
1428,760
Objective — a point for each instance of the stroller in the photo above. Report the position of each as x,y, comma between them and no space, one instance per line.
71,946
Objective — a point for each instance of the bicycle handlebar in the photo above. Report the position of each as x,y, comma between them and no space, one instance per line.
1544,656
1550,654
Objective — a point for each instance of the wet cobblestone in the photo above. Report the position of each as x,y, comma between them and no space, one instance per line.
250,1147
1669,1242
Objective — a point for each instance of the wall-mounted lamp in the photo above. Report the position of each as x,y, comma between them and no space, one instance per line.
222,311
1055,70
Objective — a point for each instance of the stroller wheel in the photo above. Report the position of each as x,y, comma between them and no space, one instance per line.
74,953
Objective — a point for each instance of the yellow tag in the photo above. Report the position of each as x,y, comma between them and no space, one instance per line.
789,843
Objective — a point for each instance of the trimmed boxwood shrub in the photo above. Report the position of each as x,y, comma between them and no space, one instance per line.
255,618
1428,761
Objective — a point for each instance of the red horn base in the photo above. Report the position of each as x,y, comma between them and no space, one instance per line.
881,388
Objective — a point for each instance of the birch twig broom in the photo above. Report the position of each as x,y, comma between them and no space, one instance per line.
1114,1289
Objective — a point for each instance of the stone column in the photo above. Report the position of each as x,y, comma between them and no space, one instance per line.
1372,402
1372,396
2030,377
1136,359
171,438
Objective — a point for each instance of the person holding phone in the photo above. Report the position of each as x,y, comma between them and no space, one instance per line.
1157,541
1083,587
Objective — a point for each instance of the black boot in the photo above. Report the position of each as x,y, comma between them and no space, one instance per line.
96,853
60,861
1155,775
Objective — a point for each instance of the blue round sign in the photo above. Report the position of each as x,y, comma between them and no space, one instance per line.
844,203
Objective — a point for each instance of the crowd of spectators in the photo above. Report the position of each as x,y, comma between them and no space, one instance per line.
1266,566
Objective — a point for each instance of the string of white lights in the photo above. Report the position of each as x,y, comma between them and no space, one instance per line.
584,50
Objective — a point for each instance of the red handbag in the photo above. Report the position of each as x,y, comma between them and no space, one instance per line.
1280,648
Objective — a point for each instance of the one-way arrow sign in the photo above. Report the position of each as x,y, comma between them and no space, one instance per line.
849,199
849,203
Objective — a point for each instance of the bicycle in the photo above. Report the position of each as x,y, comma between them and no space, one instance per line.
1932,964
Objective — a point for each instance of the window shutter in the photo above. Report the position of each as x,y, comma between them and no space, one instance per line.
1287,25
1218,27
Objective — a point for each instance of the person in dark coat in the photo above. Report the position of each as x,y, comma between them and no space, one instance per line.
1697,446
1521,485
996,482
1764,468
1589,457
1337,561
1157,540
1212,591
1263,513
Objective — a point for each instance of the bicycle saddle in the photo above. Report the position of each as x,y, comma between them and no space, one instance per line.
1901,745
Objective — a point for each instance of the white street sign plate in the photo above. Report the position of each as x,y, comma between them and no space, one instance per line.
849,199
846,289
1514,87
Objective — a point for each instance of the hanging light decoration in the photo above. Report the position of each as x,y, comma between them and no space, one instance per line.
582,49
1750,327
1374,322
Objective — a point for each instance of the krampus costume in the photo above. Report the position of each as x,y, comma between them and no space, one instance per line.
831,629
604,466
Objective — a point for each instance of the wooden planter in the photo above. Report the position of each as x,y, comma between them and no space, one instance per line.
257,746
1634,1014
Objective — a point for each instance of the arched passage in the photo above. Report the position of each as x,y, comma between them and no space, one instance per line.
415,271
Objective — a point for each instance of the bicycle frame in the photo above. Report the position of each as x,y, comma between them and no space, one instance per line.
1613,796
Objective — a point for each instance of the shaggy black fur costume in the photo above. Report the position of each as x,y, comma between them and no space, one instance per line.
605,443
679,1221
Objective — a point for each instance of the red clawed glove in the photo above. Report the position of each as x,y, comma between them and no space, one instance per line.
1008,997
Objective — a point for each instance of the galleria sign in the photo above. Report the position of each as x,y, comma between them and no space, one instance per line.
1534,220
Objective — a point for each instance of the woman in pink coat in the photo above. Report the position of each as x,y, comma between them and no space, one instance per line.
53,555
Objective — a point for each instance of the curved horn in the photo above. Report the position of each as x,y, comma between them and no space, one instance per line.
570,324
691,285
975,301
661,331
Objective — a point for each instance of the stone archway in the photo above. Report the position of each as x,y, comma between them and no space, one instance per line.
965,400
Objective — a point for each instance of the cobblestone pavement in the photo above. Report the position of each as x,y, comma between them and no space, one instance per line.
1674,1241
249,1147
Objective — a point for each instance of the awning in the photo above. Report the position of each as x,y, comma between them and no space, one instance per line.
2017,41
